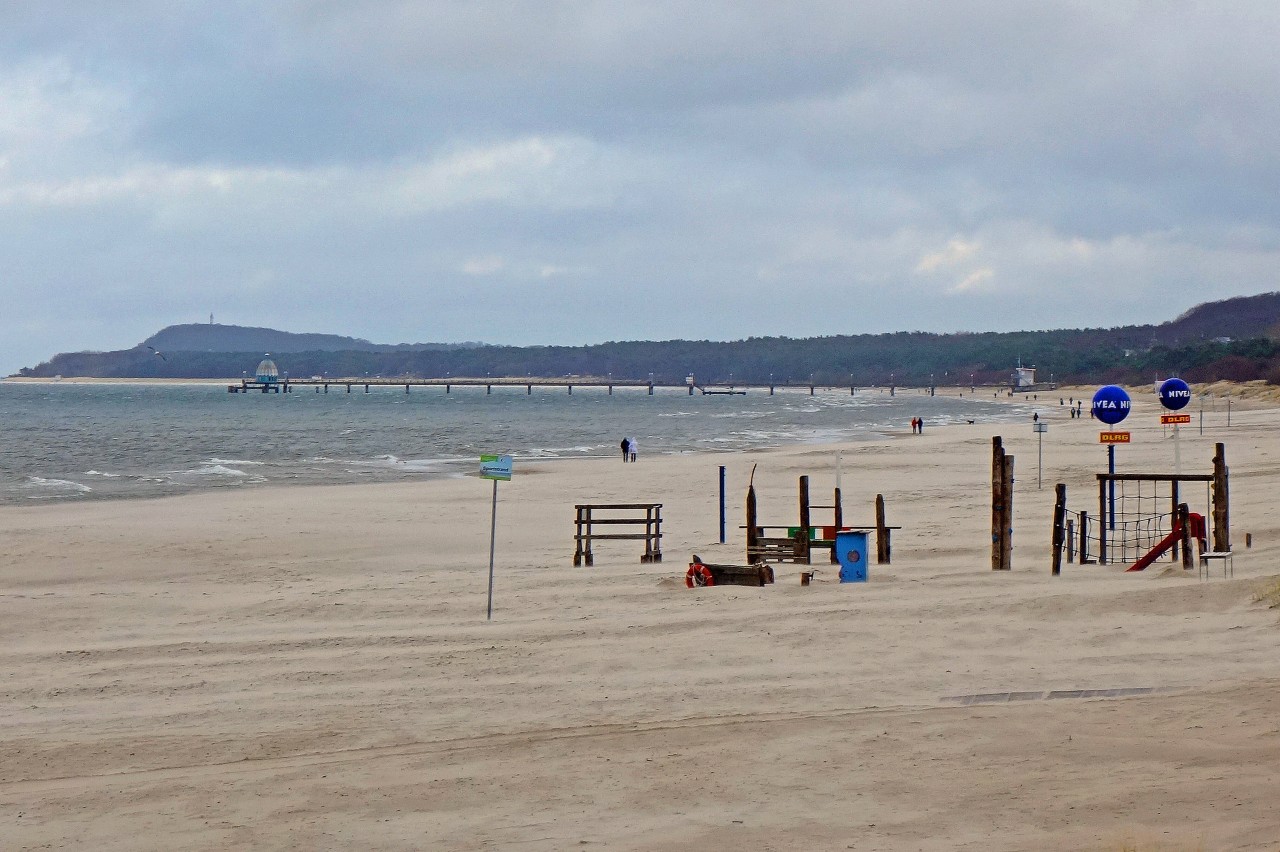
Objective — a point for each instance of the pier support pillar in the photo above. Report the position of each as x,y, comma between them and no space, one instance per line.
528,390
488,389
650,388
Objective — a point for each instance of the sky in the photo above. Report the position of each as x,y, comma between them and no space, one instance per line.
578,172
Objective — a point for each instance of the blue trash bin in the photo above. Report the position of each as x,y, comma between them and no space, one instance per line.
851,552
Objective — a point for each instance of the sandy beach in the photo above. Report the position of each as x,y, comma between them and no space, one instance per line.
311,668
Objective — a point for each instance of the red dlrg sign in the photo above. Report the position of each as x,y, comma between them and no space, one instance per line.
1174,419
1113,437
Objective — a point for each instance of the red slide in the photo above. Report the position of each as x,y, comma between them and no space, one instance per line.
1159,550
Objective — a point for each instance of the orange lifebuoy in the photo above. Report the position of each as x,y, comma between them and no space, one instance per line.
698,575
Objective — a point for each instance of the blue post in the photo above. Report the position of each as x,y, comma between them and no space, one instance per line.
722,504
1111,487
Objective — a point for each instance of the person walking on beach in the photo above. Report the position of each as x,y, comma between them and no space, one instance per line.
632,447
624,449
919,425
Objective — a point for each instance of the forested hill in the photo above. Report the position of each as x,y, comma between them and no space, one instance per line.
199,337
1237,339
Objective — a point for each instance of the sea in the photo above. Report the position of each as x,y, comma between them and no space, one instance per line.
64,441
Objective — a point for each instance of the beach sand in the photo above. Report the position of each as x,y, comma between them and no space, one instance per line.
311,668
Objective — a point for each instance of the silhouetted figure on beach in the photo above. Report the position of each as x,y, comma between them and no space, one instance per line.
625,449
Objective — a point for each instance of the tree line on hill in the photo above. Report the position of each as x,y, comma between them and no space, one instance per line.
1244,347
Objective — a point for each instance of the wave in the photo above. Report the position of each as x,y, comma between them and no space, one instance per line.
62,485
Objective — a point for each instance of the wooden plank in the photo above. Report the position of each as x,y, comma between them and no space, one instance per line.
1156,477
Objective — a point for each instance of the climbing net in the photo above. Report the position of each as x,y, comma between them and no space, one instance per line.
1135,512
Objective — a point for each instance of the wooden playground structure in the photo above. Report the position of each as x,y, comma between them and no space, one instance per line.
804,537
1148,517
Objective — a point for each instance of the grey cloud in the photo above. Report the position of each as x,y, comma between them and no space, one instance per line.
445,165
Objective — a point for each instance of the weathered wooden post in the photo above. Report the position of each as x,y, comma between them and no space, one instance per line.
1071,540
802,543
997,502
1084,539
1059,526
1184,522
753,532
1007,556
1001,507
1221,501
837,516
883,550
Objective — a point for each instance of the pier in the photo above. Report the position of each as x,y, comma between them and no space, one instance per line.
322,385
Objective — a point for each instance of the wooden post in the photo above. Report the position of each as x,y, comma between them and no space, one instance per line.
1173,491
1059,526
753,532
1006,558
1221,501
1071,540
882,533
1185,523
837,515
997,505
577,538
1084,539
802,544
997,502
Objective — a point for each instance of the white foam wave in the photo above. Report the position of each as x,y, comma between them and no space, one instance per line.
215,470
103,474
233,461
63,485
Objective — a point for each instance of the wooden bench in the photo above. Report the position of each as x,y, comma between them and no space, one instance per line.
762,548
1224,556
587,518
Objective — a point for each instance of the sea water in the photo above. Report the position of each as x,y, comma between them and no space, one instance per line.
70,441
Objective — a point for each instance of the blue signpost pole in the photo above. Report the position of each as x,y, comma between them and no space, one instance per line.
722,504
1111,487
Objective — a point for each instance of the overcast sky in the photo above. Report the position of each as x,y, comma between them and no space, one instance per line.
576,172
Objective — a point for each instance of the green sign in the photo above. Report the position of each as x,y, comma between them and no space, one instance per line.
495,467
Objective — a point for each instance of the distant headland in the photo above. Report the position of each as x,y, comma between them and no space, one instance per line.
1234,339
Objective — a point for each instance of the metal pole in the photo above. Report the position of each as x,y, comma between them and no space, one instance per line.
493,532
722,504
1111,486
1039,457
